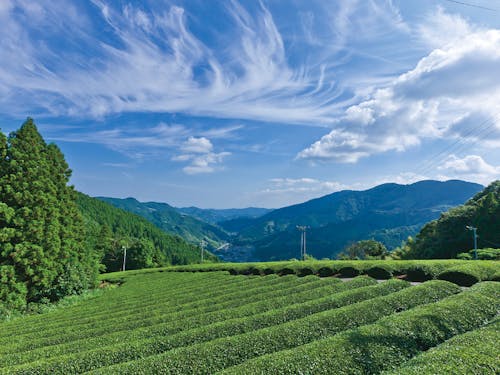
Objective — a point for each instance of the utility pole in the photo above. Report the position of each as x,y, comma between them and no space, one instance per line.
303,248
124,248
474,231
202,246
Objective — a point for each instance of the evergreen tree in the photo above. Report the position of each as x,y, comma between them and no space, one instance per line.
41,230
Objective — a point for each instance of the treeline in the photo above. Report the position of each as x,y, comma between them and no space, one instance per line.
110,230
54,240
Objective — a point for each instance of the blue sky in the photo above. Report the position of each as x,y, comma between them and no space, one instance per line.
233,104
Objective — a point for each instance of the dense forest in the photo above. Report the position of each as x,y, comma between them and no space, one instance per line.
110,229
448,236
168,219
54,240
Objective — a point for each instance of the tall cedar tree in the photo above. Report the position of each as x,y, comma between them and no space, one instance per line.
41,233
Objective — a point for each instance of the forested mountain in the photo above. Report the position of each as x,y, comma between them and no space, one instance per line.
388,213
448,236
169,220
109,229
215,216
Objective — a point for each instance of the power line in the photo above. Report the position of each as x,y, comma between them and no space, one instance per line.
479,132
447,150
472,5
459,144
491,243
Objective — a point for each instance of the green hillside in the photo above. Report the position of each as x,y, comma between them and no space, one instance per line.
448,236
171,221
148,245
388,213
212,322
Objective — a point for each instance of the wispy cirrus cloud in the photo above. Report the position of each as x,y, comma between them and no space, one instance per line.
152,61
131,141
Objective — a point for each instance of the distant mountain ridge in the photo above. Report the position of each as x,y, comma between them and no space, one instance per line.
215,216
388,212
169,249
171,221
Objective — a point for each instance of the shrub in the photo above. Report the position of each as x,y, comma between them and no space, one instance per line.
216,355
386,344
349,271
469,273
234,292
464,256
286,271
473,352
380,271
482,254
325,272
254,317
305,271
267,271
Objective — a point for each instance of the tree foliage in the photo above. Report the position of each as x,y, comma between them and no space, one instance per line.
109,230
365,249
41,233
448,236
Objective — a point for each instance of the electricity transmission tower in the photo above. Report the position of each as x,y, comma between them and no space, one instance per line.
202,246
124,257
474,231
303,235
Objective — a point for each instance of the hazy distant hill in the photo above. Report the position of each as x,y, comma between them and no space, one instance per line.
170,220
215,216
388,212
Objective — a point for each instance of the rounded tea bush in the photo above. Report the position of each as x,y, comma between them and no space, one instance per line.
267,271
349,272
379,272
286,271
305,271
325,272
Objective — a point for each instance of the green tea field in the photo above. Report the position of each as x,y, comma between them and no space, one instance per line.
271,319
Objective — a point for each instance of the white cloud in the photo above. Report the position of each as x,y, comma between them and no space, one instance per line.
285,191
133,142
459,81
205,163
403,178
152,61
441,28
471,168
469,164
195,145
197,152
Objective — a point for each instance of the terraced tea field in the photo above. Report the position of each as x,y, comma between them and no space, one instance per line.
215,322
